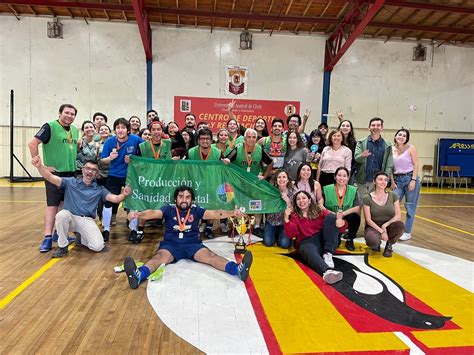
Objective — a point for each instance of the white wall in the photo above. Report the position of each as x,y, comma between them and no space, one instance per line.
101,66
380,79
96,67
192,63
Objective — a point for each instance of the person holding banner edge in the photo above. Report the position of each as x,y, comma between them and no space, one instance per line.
250,156
205,151
157,148
181,239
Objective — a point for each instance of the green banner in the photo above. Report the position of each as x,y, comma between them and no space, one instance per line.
216,185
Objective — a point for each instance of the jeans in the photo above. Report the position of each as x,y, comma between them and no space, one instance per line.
411,197
325,241
275,233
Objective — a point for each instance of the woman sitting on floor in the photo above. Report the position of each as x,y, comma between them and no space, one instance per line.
304,181
274,230
316,232
382,216
341,197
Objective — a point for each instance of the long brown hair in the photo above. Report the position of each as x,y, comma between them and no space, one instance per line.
313,210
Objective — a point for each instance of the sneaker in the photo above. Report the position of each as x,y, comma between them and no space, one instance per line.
210,234
377,248
133,274
132,236
244,267
350,245
258,232
328,260
139,237
105,235
46,245
388,250
60,252
55,236
224,228
77,240
405,236
113,221
332,276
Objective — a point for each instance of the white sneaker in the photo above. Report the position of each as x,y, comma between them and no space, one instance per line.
332,276
224,228
328,260
405,236
202,227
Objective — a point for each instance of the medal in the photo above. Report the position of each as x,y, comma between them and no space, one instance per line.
248,169
182,225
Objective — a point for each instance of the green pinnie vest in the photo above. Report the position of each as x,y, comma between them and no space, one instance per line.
59,152
256,156
238,140
214,153
165,153
267,142
330,198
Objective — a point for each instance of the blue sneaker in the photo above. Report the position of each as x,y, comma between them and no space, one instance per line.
243,268
133,274
69,239
46,245
55,236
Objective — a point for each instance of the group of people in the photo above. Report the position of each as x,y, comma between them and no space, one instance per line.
326,179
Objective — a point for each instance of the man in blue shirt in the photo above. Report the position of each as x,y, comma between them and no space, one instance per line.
116,152
81,197
373,154
182,241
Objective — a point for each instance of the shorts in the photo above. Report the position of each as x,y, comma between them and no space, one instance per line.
114,185
182,250
55,195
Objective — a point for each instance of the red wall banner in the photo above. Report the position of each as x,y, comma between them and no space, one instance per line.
214,110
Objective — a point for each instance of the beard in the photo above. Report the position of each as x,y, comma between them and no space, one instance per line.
183,206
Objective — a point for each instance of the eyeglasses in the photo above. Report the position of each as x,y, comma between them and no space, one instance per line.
90,170
205,138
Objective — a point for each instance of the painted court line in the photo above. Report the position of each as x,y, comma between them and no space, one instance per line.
21,201
414,349
438,206
443,225
11,296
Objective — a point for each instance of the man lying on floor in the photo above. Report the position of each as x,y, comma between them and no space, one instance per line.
181,239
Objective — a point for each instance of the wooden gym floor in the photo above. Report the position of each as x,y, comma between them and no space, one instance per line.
78,304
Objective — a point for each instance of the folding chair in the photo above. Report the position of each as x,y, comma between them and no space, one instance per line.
427,173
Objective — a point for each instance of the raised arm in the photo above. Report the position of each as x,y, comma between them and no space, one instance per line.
45,172
119,198
219,214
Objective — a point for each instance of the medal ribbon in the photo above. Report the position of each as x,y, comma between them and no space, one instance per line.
68,134
155,154
182,225
118,146
340,199
249,160
202,155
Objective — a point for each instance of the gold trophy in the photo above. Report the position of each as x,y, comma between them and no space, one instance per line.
241,228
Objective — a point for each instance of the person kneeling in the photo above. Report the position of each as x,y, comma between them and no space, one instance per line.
181,239
317,234
81,198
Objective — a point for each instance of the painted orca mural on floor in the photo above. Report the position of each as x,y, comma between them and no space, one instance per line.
377,293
